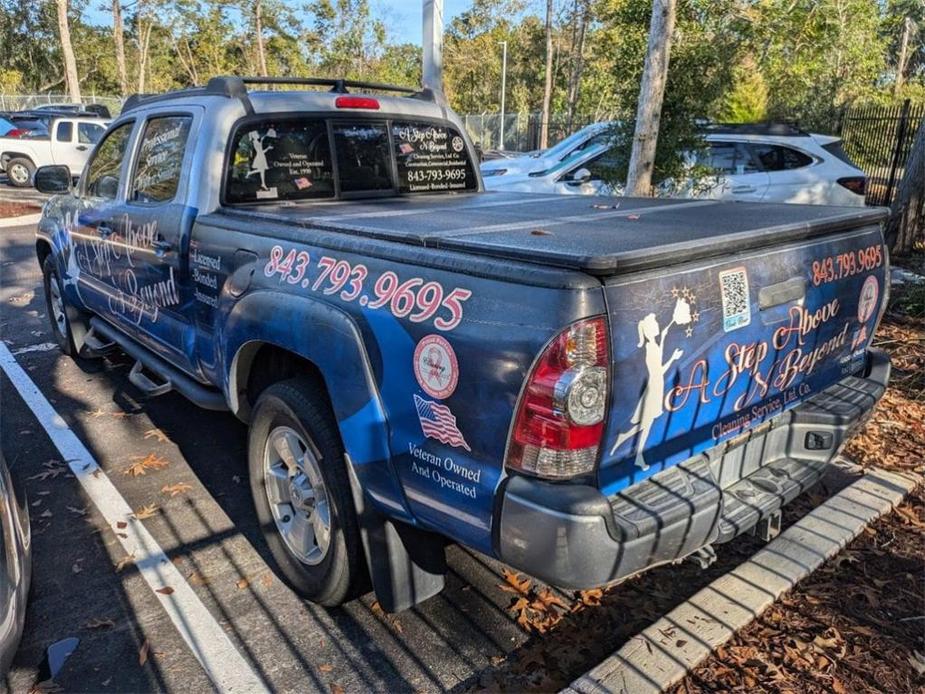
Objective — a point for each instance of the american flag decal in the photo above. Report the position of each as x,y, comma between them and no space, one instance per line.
437,422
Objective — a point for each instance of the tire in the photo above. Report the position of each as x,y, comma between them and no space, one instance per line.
59,313
294,415
20,172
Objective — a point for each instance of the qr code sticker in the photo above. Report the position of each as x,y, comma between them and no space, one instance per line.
737,311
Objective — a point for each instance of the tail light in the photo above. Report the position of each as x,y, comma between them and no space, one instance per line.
856,184
560,418
357,102
16,132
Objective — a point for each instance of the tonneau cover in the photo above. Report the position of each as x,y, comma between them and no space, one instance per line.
598,235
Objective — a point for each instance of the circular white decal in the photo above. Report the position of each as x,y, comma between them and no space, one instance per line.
867,302
457,144
435,366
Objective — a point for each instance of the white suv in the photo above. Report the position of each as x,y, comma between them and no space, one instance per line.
68,142
768,163
774,163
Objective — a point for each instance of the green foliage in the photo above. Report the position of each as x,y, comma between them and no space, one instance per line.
733,60
746,101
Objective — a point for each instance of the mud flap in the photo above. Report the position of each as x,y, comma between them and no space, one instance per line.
406,565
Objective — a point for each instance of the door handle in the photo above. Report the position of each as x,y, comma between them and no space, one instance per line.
784,292
82,148
161,247
104,231
743,189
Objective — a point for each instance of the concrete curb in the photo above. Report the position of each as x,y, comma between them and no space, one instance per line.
665,652
21,221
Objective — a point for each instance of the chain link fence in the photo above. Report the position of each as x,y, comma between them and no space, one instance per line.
521,130
24,102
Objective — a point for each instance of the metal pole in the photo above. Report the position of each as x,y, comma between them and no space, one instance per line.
503,89
432,69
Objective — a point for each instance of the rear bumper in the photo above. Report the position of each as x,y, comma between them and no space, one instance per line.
575,537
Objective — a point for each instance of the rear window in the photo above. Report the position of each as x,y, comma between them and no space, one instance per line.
280,160
363,159
318,158
431,158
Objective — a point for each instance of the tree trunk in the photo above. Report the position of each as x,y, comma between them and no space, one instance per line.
70,64
903,58
651,94
547,86
578,47
258,31
143,42
907,219
119,40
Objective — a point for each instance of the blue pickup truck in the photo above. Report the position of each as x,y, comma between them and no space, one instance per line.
580,387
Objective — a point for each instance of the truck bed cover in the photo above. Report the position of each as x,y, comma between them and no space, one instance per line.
597,235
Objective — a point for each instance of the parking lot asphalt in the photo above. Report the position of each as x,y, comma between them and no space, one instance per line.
201,515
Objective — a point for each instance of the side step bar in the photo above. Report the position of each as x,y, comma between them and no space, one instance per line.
172,377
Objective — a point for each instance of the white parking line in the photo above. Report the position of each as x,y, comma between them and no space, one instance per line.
225,666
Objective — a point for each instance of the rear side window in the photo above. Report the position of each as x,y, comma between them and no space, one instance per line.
105,169
65,131
160,159
89,133
431,158
280,160
779,158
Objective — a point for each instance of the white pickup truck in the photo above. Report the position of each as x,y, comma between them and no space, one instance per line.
67,141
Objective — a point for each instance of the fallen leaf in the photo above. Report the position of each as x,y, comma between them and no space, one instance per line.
325,668
96,623
143,652
515,584
121,524
336,689
78,511
917,661
197,579
46,513
157,434
144,463
243,583
146,512
175,489
591,598
127,560
166,590
106,682
680,643
76,569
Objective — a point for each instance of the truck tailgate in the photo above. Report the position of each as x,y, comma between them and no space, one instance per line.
707,350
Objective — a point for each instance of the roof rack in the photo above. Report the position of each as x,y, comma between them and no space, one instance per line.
236,88
784,129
